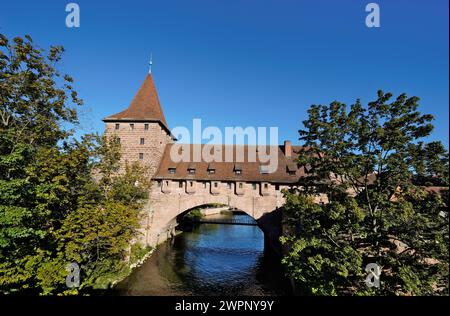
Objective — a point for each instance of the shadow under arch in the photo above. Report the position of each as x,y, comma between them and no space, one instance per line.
269,223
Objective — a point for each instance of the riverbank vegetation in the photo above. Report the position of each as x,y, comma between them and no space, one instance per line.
62,200
398,216
195,214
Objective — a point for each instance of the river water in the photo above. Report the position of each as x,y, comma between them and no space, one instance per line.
212,259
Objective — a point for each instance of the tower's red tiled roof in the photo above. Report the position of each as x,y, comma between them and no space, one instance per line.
144,107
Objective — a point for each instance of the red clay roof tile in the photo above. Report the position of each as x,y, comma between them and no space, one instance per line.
144,107
226,171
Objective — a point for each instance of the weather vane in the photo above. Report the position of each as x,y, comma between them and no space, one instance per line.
150,63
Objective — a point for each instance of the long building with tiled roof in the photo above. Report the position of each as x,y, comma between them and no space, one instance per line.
286,171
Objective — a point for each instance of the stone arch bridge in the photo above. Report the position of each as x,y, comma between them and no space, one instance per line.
240,182
163,209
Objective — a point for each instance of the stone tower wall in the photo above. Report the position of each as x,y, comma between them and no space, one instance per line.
155,140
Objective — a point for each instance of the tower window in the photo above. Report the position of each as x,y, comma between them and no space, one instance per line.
141,156
146,127
117,126
142,141
132,126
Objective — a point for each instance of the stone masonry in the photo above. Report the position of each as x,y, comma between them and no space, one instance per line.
140,142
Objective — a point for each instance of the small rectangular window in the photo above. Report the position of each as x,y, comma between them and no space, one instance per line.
172,170
238,172
191,184
205,185
215,184
146,127
132,126
117,126
159,183
277,187
141,156
240,185
211,169
142,141
254,186
264,169
191,171
266,186
229,185
180,184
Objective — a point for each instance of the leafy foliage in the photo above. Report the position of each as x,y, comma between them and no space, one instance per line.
375,170
61,200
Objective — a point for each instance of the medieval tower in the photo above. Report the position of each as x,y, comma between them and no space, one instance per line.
142,128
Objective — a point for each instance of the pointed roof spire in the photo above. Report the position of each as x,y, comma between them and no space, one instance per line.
150,63
144,107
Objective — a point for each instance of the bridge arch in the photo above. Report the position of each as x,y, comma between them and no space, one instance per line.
164,209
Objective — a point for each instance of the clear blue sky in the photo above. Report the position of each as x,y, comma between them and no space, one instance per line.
245,62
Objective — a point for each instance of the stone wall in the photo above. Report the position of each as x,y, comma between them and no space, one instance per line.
150,153
168,199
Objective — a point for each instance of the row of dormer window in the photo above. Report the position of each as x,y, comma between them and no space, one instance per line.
210,170
193,170
237,170
216,184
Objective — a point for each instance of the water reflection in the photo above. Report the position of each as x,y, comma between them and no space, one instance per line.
210,260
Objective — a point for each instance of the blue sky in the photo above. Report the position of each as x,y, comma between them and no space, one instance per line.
244,62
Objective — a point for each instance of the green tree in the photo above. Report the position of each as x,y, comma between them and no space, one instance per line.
373,166
34,99
62,200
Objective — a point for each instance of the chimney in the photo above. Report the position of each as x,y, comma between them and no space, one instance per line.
287,148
